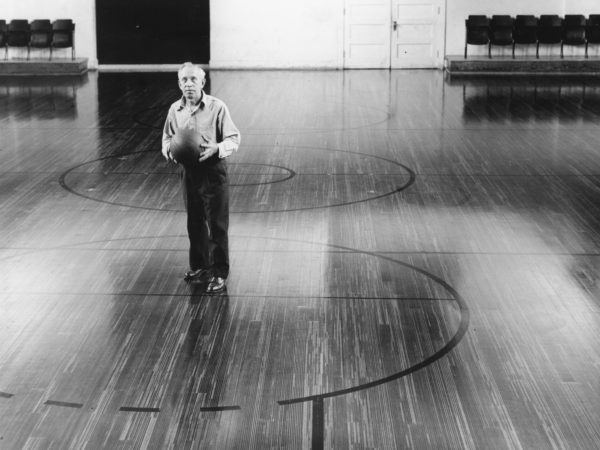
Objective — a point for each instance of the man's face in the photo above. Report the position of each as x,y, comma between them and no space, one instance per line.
191,83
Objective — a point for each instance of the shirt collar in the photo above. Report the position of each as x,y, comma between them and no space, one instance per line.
200,103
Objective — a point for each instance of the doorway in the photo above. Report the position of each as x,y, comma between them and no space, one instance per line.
153,31
397,34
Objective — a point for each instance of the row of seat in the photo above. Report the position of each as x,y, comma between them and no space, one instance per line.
38,34
505,30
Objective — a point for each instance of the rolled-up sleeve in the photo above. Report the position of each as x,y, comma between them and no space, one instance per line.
168,130
231,137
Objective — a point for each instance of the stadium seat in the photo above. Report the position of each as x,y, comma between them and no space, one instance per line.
501,32
4,37
40,35
525,32
477,31
63,35
592,32
573,31
18,33
549,31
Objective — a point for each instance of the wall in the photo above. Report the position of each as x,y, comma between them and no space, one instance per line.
277,33
263,33
309,33
81,11
285,34
458,10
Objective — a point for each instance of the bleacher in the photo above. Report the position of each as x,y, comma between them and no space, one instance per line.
528,44
39,47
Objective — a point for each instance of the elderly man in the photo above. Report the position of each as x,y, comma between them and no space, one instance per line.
205,184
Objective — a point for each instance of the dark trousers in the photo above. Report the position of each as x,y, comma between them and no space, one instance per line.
206,197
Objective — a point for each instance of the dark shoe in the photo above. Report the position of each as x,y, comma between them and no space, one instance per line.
197,275
215,284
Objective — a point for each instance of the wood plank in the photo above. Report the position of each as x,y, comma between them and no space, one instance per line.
378,220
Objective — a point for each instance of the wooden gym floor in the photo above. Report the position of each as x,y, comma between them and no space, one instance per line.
414,265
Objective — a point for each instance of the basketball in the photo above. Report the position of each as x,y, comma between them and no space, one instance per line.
185,146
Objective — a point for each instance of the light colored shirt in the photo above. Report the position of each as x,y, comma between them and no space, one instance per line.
209,117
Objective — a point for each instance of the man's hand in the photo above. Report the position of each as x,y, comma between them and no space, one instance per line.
167,154
207,150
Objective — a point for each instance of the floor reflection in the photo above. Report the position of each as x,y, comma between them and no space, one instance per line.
565,100
200,374
40,98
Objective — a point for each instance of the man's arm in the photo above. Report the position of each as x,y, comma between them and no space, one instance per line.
230,134
168,133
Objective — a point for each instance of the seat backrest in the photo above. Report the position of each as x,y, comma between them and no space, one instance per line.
63,34
18,33
3,32
526,29
41,33
63,25
593,29
477,21
574,21
501,21
18,25
43,25
594,20
526,21
550,21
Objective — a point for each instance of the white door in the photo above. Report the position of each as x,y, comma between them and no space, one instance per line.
367,34
417,33
394,33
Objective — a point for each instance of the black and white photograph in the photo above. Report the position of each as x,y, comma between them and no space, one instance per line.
315,225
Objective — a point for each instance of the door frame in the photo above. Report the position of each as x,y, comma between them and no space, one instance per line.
440,37
438,41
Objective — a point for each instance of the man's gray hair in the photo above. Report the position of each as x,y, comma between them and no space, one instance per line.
189,65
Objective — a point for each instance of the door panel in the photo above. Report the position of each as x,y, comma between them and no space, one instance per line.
367,34
418,38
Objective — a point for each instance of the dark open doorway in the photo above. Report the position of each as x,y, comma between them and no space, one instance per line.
153,31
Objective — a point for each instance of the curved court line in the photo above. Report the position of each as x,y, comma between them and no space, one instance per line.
451,344
411,174
291,173
63,183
